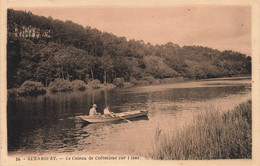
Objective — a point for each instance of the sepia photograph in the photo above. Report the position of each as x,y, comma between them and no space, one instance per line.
129,83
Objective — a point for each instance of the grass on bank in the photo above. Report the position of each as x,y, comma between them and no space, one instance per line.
212,135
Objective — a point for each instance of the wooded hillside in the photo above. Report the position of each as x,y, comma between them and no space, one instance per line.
43,49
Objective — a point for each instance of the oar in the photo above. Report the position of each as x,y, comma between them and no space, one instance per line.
122,118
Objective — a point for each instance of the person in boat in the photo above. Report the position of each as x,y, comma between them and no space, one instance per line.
107,112
93,110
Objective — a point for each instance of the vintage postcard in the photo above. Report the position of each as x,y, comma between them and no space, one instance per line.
129,82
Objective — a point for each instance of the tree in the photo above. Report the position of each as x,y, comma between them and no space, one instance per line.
106,65
157,68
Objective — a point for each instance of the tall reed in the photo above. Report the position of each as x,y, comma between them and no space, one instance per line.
212,135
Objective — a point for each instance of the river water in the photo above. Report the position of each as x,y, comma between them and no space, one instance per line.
48,124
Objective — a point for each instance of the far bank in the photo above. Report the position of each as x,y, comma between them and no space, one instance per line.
33,88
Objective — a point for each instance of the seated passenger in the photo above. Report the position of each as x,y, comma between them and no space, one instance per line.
93,110
107,112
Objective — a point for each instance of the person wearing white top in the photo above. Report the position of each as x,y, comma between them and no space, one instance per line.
106,111
93,110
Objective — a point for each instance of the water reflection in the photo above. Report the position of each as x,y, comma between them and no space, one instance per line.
47,123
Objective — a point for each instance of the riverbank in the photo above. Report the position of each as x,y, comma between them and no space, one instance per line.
31,88
212,135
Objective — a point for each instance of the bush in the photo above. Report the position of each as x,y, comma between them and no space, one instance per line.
140,83
127,84
31,88
172,80
14,92
156,81
78,85
119,81
149,79
108,86
60,85
95,84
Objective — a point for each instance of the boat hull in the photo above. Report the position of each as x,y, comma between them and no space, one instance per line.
119,116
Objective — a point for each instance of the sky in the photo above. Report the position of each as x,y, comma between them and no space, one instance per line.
218,27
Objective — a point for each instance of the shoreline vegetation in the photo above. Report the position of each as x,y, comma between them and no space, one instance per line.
214,134
44,50
34,88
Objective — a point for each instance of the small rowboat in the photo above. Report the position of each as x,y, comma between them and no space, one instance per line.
118,116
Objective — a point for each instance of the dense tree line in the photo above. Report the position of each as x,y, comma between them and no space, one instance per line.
43,49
